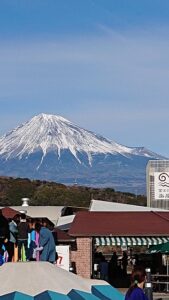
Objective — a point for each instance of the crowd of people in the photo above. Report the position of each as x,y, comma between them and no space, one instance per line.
23,239
110,270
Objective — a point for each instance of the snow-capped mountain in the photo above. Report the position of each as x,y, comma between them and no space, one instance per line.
47,133
51,147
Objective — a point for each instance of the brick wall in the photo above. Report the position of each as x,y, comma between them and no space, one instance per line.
81,257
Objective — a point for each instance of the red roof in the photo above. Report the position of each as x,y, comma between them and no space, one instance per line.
9,213
120,224
63,236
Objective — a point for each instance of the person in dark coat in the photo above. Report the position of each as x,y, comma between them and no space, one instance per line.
124,263
46,244
103,268
23,229
113,267
4,229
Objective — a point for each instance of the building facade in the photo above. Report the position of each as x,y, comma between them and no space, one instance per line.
157,177
125,230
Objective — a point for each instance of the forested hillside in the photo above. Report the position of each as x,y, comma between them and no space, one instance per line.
51,193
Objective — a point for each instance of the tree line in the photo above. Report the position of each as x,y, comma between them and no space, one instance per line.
52,193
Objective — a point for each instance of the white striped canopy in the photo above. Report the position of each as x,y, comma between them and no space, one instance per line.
130,241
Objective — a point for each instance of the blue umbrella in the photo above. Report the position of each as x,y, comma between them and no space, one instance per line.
16,296
76,294
49,295
107,292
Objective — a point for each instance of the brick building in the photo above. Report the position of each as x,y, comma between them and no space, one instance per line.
124,229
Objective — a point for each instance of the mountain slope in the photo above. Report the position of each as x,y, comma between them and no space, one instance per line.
51,147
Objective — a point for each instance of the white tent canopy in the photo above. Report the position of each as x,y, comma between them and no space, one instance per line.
35,277
99,205
51,212
65,222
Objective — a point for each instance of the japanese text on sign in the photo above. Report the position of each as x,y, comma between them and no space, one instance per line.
161,185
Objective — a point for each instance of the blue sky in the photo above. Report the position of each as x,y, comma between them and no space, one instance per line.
103,64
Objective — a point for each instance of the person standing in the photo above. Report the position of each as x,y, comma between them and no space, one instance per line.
23,229
124,263
31,240
13,229
103,268
4,229
113,267
1,257
135,291
46,244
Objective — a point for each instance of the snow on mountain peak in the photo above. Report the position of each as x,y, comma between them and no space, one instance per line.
49,118
47,133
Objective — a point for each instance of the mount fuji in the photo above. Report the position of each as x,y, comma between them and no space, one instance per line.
49,147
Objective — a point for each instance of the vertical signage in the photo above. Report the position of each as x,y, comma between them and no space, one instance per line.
63,257
161,185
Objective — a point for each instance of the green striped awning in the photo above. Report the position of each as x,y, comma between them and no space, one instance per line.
130,241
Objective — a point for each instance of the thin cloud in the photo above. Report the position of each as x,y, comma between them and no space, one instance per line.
98,81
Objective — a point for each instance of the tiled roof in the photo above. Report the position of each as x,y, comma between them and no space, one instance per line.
63,236
120,224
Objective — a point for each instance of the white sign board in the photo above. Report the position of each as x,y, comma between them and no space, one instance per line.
63,257
161,185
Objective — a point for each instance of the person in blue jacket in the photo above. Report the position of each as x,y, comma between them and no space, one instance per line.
135,291
46,244
1,257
